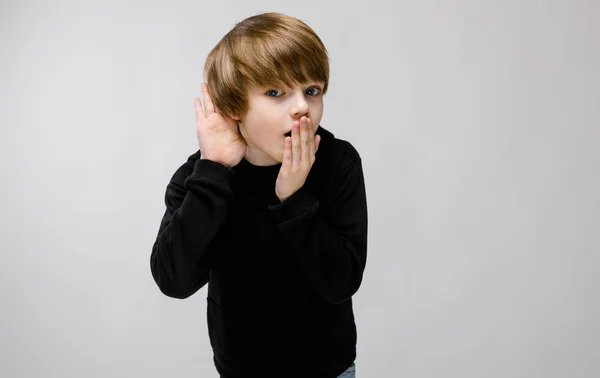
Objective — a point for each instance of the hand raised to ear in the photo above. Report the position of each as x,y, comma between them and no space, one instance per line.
218,135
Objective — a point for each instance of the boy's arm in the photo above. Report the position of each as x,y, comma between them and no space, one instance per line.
332,250
196,202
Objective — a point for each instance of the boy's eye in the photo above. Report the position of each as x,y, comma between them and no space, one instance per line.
318,91
271,91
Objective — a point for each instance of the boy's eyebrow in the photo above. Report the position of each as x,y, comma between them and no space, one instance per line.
307,84
265,87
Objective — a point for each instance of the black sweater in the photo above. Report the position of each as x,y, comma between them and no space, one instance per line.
280,275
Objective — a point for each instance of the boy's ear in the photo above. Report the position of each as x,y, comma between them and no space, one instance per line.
235,117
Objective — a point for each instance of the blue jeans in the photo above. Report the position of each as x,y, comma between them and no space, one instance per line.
349,373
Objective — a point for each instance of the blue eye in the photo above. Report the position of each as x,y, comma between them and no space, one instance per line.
272,90
317,89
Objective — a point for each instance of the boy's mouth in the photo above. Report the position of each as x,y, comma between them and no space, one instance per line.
288,134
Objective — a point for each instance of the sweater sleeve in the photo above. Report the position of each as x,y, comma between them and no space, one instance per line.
196,202
331,249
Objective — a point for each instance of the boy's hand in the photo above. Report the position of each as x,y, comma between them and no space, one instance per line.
298,158
218,135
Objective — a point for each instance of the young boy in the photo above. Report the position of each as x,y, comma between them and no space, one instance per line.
271,211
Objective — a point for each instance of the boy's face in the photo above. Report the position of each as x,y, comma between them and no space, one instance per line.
270,116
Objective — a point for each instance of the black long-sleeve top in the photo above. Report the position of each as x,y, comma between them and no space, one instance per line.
281,275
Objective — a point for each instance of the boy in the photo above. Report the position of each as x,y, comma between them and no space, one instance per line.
271,211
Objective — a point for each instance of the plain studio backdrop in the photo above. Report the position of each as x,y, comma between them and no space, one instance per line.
478,123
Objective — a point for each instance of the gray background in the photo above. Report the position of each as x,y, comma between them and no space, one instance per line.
478,125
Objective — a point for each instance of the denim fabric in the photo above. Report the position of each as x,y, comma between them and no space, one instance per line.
349,373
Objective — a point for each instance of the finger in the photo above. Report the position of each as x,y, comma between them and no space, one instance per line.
208,104
286,162
306,140
216,109
199,112
313,145
296,144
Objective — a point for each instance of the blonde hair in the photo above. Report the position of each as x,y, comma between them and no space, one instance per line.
269,49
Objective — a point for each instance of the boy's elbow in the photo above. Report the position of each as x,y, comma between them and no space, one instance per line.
175,286
173,292
179,289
